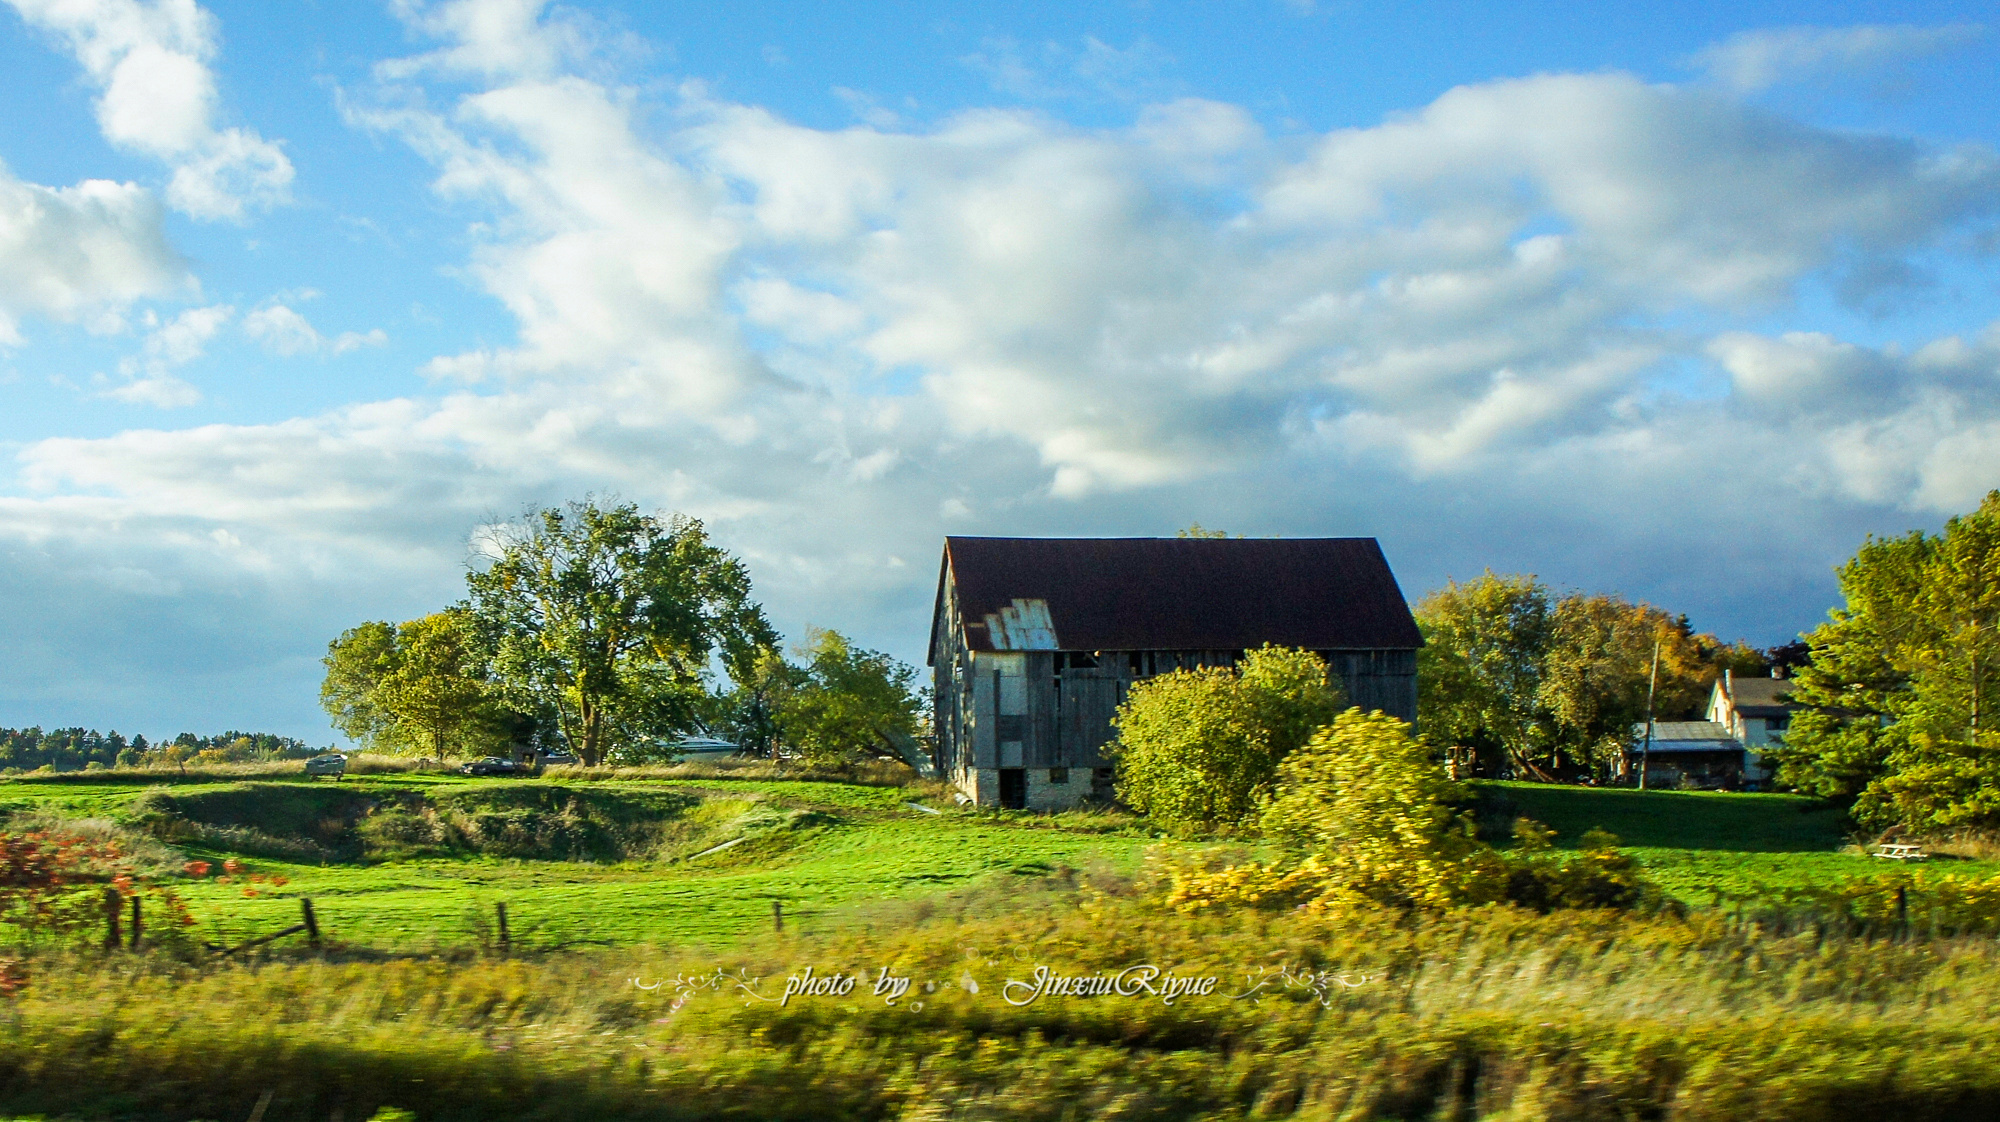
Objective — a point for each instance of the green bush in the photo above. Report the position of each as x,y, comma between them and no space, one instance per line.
1197,749
1597,877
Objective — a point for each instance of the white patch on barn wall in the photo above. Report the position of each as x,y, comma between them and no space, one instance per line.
1011,672
1023,625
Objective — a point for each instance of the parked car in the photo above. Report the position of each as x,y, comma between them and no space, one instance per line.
491,765
559,759
333,763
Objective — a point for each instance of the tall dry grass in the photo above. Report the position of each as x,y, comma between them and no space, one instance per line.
1486,1014
359,763
867,773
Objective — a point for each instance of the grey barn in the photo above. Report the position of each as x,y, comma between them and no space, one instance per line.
1036,641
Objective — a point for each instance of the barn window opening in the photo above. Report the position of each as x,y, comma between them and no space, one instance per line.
1058,775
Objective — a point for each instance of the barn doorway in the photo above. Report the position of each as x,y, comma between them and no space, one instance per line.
1014,788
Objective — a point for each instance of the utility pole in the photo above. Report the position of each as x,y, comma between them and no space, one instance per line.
1652,687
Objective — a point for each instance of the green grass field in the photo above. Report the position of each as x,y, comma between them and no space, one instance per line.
1705,846
823,851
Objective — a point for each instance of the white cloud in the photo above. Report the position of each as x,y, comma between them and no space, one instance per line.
1462,329
1161,303
185,338
1807,371
161,391
148,375
1920,430
500,40
1749,61
283,331
82,252
151,63
354,340
1053,70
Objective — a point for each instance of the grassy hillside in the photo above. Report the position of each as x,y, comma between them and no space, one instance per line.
1706,847
418,861
1693,820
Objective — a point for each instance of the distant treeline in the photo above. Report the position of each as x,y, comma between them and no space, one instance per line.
74,749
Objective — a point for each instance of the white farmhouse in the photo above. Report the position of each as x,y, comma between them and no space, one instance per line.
1756,711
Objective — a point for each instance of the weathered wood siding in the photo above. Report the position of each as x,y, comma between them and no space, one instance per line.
1056,706
1088,696
1385,680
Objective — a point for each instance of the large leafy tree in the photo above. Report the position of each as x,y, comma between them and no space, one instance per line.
610,618
1479,673
1902,681
437,691
356,663
841,701
1197,749
413,687
1598,673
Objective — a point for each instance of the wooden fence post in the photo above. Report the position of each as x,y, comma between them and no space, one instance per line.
114,905
505,942
311,922
135,922
778,915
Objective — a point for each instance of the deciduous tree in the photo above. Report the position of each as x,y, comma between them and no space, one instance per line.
1555,685
356,663
413,687
436,693
842,701
1479,673
610,618
1902,681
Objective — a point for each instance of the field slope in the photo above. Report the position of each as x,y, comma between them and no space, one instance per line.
418,861
1705,846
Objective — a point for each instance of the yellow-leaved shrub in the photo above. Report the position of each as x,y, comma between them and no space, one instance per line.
1367,816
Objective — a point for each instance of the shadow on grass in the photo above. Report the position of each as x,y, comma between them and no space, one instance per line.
1702,820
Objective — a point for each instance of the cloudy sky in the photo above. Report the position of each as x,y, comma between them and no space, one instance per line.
1676,301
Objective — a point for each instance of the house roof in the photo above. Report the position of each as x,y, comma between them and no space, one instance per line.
1098,594
1686,736
1761,697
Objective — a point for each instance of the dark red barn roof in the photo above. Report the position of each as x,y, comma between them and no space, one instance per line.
1105,594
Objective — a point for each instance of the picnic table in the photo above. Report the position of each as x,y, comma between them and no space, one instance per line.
1900,852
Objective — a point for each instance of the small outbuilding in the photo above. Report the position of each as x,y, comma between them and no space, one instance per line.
1698,754
1036,641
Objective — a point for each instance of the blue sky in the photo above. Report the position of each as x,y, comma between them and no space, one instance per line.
1676,301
